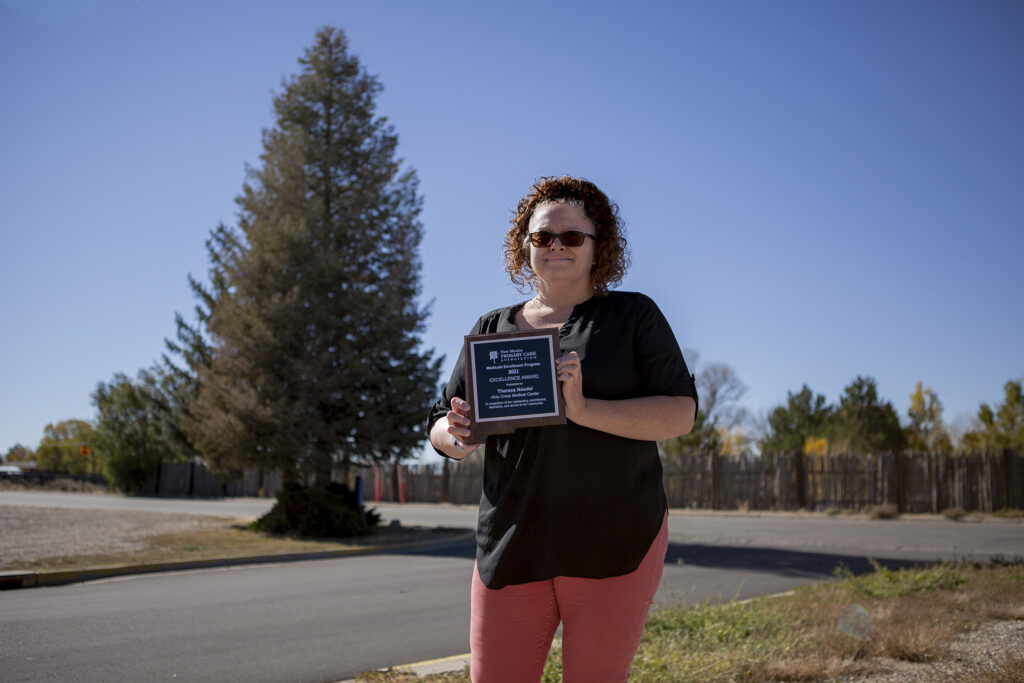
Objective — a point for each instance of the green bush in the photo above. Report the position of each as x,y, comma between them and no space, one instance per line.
330,513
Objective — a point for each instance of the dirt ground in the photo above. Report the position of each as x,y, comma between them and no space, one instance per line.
28,534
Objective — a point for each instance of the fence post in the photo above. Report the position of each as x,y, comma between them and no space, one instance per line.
713,471
446,481
899,467
800,466
1008,480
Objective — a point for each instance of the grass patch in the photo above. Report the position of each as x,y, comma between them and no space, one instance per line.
231,541
912,615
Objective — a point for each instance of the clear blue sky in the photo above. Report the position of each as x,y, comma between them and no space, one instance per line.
813,190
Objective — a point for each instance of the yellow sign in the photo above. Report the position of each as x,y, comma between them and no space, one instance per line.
85,451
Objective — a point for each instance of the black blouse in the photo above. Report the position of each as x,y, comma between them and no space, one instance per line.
566,500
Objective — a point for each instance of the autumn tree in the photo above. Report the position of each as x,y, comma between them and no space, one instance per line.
313,321
18,453
926,430
805,416
60,449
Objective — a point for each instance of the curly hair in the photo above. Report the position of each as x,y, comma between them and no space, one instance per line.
611,255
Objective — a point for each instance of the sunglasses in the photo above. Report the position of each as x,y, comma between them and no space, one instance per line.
569,238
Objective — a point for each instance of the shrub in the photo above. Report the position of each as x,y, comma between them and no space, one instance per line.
884,511
330,513
953,513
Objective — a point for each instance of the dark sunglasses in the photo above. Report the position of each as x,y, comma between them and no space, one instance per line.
569,238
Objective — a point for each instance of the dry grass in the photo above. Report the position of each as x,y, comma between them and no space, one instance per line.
884,511
954,513
1009,670
915,615
60,484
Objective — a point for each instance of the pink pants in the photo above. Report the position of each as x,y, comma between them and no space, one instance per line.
603,619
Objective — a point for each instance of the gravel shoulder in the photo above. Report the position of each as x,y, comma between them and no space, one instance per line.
30,534
981,654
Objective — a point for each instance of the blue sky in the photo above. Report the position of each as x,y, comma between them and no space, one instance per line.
813,190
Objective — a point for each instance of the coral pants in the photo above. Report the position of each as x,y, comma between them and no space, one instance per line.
603,619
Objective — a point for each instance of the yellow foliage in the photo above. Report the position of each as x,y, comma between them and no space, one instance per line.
815,446
733,441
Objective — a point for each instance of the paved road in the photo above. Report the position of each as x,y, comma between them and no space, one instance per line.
331,619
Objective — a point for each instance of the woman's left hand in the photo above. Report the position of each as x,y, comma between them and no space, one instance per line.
570,374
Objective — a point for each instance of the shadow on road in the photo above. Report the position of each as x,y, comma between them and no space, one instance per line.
790,563
813,566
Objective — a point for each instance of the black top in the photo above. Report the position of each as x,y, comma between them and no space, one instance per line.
566,500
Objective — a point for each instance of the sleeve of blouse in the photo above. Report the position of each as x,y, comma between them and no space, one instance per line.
456,387
660,361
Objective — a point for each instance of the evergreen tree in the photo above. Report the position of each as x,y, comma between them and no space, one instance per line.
1003,426
805,416
312,318
864,423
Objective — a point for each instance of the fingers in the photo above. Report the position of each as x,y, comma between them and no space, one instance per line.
460,406
568,367
458,422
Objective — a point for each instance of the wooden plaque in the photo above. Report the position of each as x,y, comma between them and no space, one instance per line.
511,382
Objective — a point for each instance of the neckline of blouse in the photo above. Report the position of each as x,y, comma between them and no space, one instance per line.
577,310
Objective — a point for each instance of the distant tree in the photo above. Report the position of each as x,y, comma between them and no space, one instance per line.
716,427
805,416
865,424
926,431
18,453
313,324
135,428
60,449
1002,426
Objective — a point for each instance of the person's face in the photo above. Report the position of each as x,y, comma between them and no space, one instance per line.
557,262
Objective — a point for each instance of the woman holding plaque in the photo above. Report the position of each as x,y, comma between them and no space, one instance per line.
573,523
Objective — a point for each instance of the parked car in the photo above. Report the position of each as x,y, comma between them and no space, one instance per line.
10,471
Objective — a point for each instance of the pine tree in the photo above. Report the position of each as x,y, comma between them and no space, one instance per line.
313,323
866,424
805,417
1003,426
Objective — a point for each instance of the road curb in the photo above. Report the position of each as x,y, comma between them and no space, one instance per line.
441,665
38,579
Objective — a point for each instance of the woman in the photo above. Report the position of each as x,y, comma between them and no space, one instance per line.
573,518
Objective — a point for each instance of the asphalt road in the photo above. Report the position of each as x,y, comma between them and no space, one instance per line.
329,620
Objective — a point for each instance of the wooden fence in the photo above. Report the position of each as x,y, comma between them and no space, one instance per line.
913,482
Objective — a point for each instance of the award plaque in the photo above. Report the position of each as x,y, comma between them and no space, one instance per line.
511,382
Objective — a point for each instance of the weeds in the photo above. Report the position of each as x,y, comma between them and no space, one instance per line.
914,614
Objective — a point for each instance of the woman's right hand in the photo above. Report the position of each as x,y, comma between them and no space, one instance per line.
459,424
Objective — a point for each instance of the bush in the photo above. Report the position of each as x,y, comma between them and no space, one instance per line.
884,511
953,513
330,513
